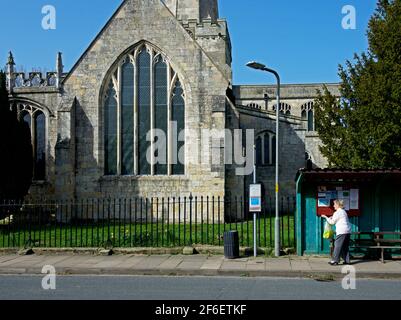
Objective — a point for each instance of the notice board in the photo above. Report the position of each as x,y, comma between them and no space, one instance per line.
326,196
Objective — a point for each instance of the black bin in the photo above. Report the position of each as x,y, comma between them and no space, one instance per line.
231,245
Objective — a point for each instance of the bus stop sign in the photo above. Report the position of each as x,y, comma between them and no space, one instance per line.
255,198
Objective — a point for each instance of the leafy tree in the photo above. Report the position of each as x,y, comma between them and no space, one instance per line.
16,160
362,129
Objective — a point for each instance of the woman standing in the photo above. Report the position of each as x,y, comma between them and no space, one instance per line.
343,231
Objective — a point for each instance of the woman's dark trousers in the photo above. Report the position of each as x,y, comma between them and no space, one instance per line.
341,248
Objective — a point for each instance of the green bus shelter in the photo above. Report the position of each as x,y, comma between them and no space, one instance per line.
372,199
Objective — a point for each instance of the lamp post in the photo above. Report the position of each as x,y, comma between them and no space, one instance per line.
260,66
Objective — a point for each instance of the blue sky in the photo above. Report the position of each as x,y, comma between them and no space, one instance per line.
303,40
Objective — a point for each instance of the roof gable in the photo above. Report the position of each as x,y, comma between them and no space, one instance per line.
136,5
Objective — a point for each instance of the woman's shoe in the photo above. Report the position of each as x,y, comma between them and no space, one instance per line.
333,263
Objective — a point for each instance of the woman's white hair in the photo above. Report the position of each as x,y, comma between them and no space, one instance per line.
340,203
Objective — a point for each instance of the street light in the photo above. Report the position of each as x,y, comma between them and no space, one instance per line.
262,67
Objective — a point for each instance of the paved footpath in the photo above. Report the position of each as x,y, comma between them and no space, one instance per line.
199,265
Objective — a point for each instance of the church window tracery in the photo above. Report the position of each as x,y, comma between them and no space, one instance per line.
144,116
36,121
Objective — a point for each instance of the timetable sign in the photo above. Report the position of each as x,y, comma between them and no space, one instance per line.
255,198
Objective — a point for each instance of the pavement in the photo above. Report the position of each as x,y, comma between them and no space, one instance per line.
193,265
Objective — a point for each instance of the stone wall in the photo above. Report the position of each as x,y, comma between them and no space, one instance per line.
199,10
204,85
255,105
292,150
198,48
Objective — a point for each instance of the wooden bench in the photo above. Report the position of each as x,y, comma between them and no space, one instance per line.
384,243
377,240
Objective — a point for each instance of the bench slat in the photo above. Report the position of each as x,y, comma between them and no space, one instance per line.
387,241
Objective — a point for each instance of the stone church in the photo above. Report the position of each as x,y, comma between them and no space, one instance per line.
159,66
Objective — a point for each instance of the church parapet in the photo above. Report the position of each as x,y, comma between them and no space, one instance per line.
34,79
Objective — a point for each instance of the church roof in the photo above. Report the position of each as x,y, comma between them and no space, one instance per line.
108,24
340,174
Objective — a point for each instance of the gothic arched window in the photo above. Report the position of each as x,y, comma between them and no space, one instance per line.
265,152
36,121
144,116
304,115
311,121
110,130
127,118
178,116
40,146
307,115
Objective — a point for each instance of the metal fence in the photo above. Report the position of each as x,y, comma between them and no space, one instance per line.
156,222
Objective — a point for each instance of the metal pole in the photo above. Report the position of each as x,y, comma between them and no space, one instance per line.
260,66
254,164
277,187
255,249
277,222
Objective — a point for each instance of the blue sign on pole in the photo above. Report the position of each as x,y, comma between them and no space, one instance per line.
255,198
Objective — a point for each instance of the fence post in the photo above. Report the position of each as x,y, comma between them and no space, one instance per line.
108,223
202,220
162,222
219,222
168,221
179,221
190,219
213,220
173,221
207,220
196,219
185,220
157,221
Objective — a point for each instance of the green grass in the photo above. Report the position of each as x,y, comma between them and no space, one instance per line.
124,235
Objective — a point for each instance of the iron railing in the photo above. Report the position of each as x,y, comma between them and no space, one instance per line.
155,222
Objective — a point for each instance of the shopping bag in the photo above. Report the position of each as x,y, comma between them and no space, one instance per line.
328,231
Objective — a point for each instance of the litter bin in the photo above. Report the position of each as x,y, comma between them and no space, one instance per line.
231,245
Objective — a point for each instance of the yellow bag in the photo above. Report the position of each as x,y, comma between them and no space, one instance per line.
328,231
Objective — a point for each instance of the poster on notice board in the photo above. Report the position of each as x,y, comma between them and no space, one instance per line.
326,196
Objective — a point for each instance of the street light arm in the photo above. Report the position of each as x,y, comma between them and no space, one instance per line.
276,74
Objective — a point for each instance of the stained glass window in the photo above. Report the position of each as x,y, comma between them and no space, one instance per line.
144,111
308,114
27,118
40,146
144,85
267,149
178,116
274,150
110,131
259,157
35,121
161,115
311,126
127,119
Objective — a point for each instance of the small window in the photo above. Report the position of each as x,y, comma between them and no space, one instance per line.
307,114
